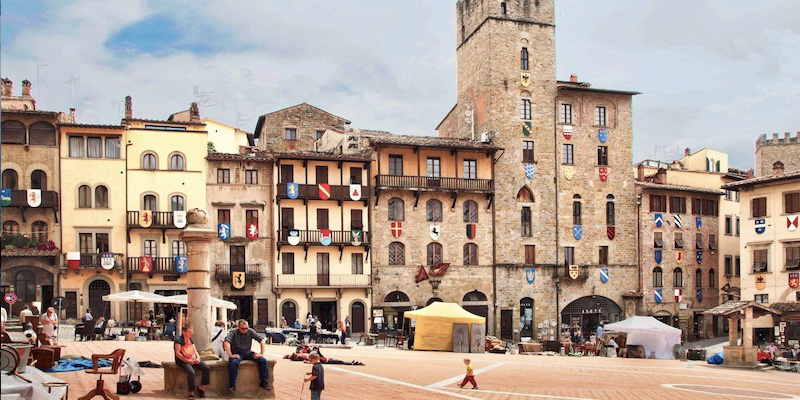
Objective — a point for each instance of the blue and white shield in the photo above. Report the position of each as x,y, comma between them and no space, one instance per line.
292,190
530,275
659,256
5,197
181,264
224,231
761,226
699,257
659,218
530,169
659,295
604,275
602,134
699,295
577,232
698,222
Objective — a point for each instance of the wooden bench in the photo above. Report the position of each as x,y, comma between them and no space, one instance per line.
246,385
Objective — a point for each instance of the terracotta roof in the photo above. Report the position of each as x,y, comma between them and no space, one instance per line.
585,87
431,141
735,306
681,188
787,306
29,253
161,121
260,156
310,155
100,126
763,180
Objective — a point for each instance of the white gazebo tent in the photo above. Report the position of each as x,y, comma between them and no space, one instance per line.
652,334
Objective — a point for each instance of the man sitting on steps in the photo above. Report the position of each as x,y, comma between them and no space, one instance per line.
237,345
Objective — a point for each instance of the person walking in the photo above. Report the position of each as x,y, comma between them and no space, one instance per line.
600,331
312,332
237,346
316,377
347,325
186,358
341,332
49,323
470,377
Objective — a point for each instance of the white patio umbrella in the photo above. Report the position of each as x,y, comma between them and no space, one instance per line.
215,302
135,296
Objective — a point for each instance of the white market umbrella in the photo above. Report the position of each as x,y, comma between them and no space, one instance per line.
215,302
136,296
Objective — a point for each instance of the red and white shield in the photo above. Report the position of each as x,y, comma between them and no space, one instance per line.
567,132
603,173
396,228
792,222
794,280
611,231
74,259
146,264
252,231
324,191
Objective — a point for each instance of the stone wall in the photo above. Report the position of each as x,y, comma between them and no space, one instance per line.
304,117
785,149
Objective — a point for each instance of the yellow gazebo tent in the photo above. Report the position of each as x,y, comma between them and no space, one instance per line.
434,325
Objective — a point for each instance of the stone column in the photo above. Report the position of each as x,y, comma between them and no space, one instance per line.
733,334
747,328
198,281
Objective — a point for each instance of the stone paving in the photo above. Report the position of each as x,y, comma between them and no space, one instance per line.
401,374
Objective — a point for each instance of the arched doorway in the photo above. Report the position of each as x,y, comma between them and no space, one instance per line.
526,317
25,286
664,317
395,305
289,312
586,313
357,317
433,300
97,289
476,303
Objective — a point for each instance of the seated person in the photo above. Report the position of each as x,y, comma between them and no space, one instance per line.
302,347
237,346
218,335
297,324
186,357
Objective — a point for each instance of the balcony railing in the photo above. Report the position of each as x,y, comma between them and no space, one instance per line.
19,198
222,272
96,260
161,265
433,183
323,280
161,220
338,238
311,192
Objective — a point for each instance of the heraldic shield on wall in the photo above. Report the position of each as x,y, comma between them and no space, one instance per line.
530,275
794,280
792,222
604,274
659,219
292,190
611,232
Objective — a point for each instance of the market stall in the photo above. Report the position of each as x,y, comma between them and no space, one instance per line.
652,334
435,326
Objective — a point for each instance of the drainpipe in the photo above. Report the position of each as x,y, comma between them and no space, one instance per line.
558,236
639,242
494,249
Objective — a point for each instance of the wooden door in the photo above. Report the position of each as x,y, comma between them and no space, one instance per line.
507,324
322,218
356,219
460,338
477,338
263,312
237,256
323,269
287,218
357,317
322,174
287,173
355,175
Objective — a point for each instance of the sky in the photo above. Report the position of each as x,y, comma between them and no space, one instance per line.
712,74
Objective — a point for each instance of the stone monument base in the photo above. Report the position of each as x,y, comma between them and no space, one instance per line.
740,356
246,387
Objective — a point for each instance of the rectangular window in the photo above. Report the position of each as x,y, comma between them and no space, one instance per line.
251,217
322,218
530,254
251,176
712,241
728,225
85,243
698,241
223,216
523,57
178,248
602,155
434,167
760,260
287,173
101,243
527,222
697,206
566,113
355,175
395,165
112,147
658,203
677,205
762,298
728,266
710,207
356,219
287,263
527,151
470,169
567,154
791,202
600,116
72,304
658,240
603,255
223,175
76,146
321,174
290,134
318,134
150,248
759,207
525,109
738,265
793,256
678,240
569,255
94,147
357,263
738,225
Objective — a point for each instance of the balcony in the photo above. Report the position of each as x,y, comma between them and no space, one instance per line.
311,238
161,220
96,260
252,272
19,198
161,265
311,192
434,184
323,280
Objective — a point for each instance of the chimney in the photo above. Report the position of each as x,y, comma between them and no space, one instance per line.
72,115
640,172
573,78
26,88
7,87
750,174
128,107
661,176
687,152
194,112
777,168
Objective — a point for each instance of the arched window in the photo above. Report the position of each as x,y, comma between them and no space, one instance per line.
658,277
433,300
84,196
396,297
523,59
576,209
176,162
43,134
39,231
10,228
712,278
397,253
698,278
101,197
9,177
396,209
149,162
677,278
525,195
25,286
177,203
610,212
526,317
474,296
434,210
289,312
434,253
470,254
150,202
470,211
38,180
13,132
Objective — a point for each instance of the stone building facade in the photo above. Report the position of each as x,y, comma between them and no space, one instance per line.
295,128
784,150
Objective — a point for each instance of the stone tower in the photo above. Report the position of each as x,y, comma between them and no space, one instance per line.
777,153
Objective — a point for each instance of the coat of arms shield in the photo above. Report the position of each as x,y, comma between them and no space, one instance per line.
292,190
5,197
792,222
659,256
602,134
677,220
252,231
569,171
325,237
34,197
435,231
567,132
145,218
577,232
355,191
659,219
604,274
761,282
397,229
794,280
238,278
611,232
574,271
530,274
356,237
603,171
179,219
293,237
761,226
324,191
181,264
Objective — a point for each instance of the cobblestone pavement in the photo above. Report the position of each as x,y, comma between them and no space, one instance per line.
400,374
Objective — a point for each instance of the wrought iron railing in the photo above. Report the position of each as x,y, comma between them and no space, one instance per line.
223,272
161,265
